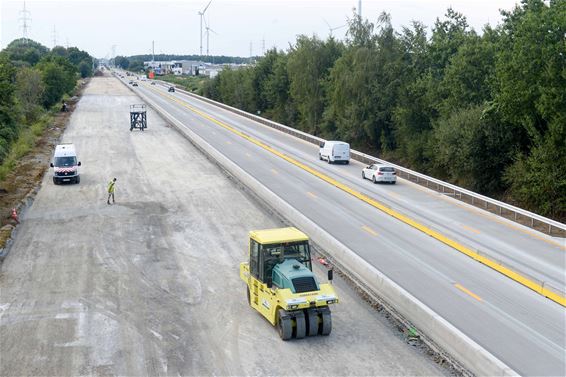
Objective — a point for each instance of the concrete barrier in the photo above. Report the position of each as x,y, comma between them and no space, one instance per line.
464,350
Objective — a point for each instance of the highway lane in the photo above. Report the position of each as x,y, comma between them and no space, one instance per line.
150,286
518,326
532,253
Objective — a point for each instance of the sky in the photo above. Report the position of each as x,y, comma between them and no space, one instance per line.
238,26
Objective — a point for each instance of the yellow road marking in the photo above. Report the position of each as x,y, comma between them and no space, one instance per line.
274,171
488,215
369,230
468,292
311,194
469,228
374,203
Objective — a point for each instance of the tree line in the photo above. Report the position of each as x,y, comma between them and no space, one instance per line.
486,111
135,62
34,79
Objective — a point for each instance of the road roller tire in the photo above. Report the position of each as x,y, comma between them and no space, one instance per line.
300,325
284,325
325,327
312,322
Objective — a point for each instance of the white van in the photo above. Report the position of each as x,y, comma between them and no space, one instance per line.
65,164
334,151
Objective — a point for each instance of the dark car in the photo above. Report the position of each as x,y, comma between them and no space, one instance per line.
153,83
171,89
135,84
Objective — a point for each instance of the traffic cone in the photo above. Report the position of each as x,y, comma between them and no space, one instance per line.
15,216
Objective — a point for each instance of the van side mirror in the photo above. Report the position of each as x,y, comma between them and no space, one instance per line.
330,274
79,164
321,145
51,164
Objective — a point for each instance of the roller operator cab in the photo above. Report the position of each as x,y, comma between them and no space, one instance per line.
281,284
65,164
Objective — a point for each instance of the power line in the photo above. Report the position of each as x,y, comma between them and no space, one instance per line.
25,19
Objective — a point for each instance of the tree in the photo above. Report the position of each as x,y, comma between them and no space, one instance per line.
25,52
309,62
8,112
29,91
122,62
59,77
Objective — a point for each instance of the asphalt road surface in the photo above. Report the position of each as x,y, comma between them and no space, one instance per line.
150,285
523,329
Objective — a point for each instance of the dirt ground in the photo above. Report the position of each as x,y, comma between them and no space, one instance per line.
23,181
150,285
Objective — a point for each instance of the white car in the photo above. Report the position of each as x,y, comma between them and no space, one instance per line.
380,173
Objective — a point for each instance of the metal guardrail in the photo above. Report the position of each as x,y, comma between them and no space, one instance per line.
478,200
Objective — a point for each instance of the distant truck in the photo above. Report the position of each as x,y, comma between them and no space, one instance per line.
334,152
65,164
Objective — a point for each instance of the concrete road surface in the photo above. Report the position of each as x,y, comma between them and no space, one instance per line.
150,285
520,327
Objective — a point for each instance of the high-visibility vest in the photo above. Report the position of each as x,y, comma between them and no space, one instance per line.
111,187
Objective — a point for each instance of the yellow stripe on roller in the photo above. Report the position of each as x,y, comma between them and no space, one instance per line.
374,203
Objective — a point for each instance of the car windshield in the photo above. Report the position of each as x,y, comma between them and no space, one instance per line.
387,169
290,250
65,161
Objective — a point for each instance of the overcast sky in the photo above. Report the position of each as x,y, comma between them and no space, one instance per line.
131,26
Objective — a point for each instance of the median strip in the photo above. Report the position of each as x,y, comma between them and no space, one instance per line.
540,289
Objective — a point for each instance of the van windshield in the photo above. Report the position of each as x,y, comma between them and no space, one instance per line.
65,161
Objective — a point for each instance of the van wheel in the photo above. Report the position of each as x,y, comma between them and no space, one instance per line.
347,162
363,175
374,179
329,162
320,157
78,180
55,181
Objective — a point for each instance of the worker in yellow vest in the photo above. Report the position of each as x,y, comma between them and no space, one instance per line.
111,188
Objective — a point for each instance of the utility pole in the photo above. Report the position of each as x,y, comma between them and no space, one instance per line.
251,50
54,36
263,46
25,19
360,8
113,57
152,51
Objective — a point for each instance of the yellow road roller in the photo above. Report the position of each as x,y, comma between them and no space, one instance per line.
281,284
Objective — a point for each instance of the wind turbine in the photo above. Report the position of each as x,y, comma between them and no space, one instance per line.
208,30
331,29
201,14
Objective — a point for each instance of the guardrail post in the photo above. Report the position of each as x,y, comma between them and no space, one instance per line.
500,210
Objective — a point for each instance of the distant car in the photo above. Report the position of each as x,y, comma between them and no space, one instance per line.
380,173
131,82
171,89
153,83
135,84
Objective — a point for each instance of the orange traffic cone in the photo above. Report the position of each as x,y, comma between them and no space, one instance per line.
15,216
